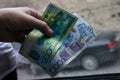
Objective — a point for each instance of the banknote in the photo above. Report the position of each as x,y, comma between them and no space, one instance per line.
73,45
82,34
41,49
88,28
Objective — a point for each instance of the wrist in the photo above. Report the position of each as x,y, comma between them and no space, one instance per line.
2,12
2,19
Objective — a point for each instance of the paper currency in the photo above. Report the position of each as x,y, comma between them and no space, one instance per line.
40,49
67,42
73,45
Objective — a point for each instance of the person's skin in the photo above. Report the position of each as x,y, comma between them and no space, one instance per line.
15,23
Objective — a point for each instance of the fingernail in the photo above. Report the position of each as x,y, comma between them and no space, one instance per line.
50,32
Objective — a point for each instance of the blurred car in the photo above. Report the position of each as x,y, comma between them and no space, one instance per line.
104,49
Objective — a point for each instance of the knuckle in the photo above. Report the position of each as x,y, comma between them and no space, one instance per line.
27,8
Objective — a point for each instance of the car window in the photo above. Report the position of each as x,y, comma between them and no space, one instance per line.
101,55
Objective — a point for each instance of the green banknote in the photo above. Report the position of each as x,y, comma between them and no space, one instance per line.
41,49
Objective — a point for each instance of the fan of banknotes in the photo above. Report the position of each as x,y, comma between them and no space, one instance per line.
70,38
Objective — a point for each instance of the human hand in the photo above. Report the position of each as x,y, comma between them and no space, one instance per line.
15,23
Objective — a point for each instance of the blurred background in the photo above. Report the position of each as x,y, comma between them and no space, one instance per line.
103,15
